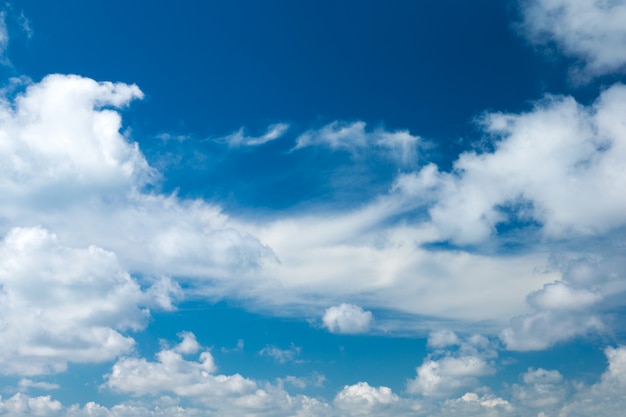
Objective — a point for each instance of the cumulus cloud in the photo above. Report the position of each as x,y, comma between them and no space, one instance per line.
399,146
472,404
66,166
23,405
438,378
442,339
198,381
361,399
540,330
606,397
455,364
347,318
238,138
542,389
590,30
62,304
25,384
550,165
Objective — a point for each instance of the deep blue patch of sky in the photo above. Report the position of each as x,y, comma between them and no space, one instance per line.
209,68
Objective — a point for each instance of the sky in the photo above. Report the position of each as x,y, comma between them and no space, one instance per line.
313,208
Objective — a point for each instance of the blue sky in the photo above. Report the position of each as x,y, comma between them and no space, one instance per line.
312,208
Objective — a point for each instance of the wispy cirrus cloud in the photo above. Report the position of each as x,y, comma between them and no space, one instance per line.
399,146
239,138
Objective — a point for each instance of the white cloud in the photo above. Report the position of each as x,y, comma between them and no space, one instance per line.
60,137
23,405
400,145
543,389
561,296
439,378
361,399
472,404
62,304
188,345
442,338
542,329
485,401
347,318
281,355
591,30
26,383
550,165
66,166
238,138
198,382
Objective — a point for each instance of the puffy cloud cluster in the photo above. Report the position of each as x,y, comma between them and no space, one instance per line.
361,399
347,318
60,304
543,389
196,380
590,30
449,371
550,166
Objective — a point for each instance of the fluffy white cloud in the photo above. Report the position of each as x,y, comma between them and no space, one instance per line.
25,384
61,304
550,165
347,318
22,405
606,397
471,404
238,138
561,296
60,137
540,330
400,146
442,339
591,30
197,381
66,166
445,376
361,399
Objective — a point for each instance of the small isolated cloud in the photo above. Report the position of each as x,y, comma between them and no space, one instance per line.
281,355
347,318
438,378
399,146
198,382
238,138
442,339
188,345
591,30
